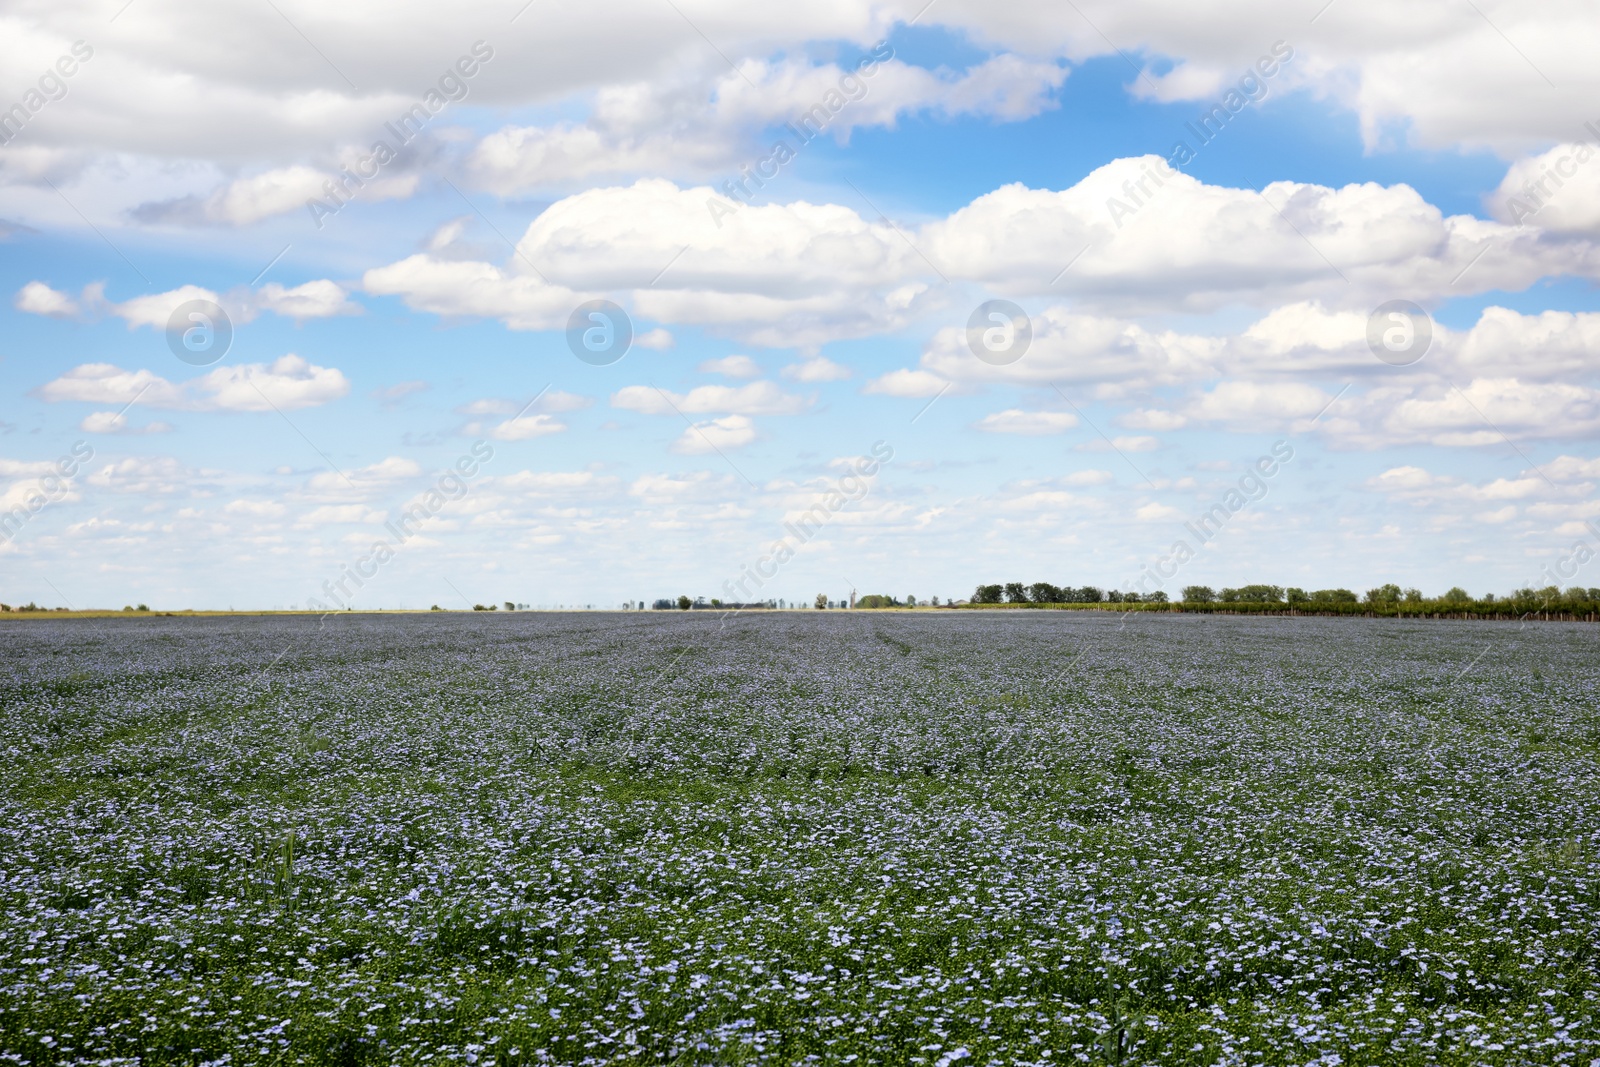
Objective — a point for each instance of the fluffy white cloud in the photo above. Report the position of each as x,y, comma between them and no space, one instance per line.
778,275
526,428
1072,347
1558,191
907,383
112,422
386,472
816,369
1438,76
667,129
341,514
551,400
37,298
1242,405
312,300
1138,234
1484,410
456,289
248,200
757,398
724,434
799,274
258,509
146,476
1121,443
1027,423
287,383
731,367
544,483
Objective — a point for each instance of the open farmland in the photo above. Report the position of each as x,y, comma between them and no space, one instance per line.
938,837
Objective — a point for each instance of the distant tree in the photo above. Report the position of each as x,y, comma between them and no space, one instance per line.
986,594
126,607
684,603
1384,596
935,602
911,601
1229,596
1334,596
1412,596
716,603
1158,597
821,601
1199,594
1044,593
1261,594
510,606
436,608
1296,595
1114,597
1016,593
1457,596
142,607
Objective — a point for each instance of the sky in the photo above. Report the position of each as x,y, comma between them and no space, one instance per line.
394,305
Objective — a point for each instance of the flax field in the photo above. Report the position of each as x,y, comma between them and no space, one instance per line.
926,837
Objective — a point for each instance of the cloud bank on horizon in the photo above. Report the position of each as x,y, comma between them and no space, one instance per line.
662,274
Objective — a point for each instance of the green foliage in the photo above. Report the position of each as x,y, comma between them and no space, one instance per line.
1386,600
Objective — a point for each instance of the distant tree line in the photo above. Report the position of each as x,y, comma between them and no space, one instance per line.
1045,593
1575,603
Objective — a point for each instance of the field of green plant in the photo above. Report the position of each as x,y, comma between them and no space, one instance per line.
821,837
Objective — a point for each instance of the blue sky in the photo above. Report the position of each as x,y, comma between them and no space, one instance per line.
1221,312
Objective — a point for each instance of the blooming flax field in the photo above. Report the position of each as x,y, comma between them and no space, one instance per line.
934,838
